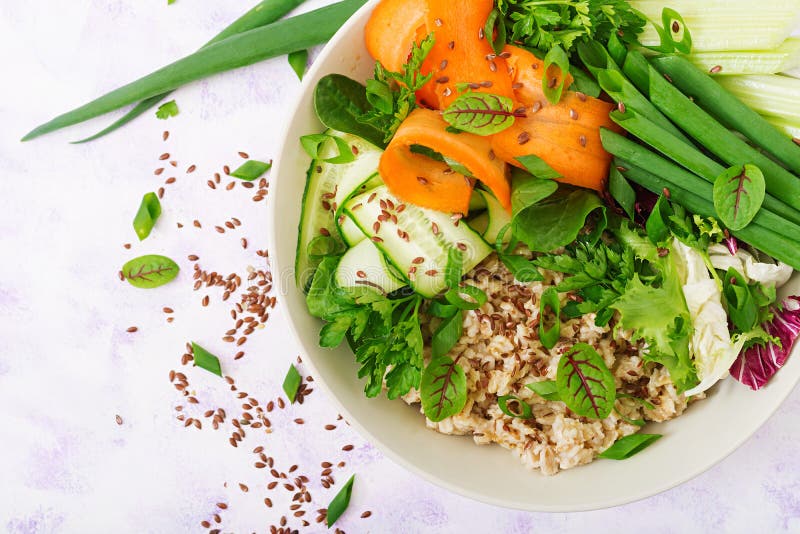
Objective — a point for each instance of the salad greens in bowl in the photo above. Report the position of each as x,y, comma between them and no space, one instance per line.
570,229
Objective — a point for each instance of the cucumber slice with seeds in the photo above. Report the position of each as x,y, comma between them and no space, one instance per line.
366,266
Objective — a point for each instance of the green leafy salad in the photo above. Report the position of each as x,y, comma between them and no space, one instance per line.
583,146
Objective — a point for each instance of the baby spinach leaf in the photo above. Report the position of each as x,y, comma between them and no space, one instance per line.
205,360
523,269
585,384
340,503
507,403
549,301
738,195
548,390
557,220
538,167
151,271
527,190
339,102
624,448
443,389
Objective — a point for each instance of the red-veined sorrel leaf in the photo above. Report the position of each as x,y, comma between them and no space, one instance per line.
150,271
481,113
585,384
738,195
443,389
756,366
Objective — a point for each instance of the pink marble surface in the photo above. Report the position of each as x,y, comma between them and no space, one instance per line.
68,366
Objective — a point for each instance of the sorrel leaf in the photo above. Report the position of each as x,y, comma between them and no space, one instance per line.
481,113
443,389
151,271
738,195
585,384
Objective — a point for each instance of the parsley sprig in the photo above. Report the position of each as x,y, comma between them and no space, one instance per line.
391,94
546,24
384,332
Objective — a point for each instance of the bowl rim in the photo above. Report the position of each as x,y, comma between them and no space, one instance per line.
279,266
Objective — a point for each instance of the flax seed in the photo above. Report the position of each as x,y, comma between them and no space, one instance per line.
132,329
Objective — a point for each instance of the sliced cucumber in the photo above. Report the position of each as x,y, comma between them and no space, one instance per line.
499,218
327,185
366,266
476,201
480,223
416,240
352,234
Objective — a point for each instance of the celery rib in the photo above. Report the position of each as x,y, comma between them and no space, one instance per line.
781,59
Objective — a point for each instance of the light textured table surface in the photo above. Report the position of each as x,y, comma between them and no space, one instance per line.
68,367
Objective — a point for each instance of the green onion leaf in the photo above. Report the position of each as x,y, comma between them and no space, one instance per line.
495,31
292,383
316,144
626,447
298,60
739,193
454,268
621,191
524,410
635,422
556,68
441,310
443,389
146,217
480,113
151,271
550,336
476,295
644,402
617,49
448,334
206,360
548,390
251,170
167,110
340,503
538,167
676,29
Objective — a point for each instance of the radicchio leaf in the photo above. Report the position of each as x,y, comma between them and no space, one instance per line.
756,365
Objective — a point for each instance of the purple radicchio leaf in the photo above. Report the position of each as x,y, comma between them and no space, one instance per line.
731,243
756,366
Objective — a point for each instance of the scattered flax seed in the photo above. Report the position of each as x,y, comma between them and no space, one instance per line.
158,171
229,225
348,448
165,135
573,114
244,155
211,184
366,514
796,140
217,177
268,502
160,192
244,242
193,257
230,186
164,156
173,163
191,169
582,140
523,138
127,246
666,77
197,224
243,487
118,419
205,301
167,309
226,169
219,229
132,329
299,421
170,180
715,69
581,96
222,506
443,79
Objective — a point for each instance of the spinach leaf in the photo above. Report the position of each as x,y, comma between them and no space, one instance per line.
339,102
557,220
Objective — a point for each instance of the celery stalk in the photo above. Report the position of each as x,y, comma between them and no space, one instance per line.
792,129
724,25
781,59
770,95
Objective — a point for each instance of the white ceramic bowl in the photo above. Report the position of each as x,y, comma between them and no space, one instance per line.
704,435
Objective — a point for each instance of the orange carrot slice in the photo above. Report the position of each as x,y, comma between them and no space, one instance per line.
526,72
392,29
462,53
425,182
